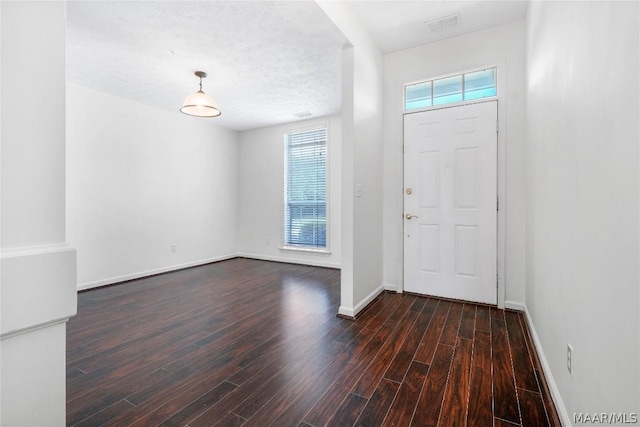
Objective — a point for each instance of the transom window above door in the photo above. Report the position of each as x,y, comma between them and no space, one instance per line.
451,89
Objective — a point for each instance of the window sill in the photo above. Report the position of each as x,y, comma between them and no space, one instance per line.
305,250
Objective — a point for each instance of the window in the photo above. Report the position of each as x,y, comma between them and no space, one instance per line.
463,87
305,189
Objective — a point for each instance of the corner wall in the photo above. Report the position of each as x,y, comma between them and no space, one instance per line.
362,116
141,179
583,201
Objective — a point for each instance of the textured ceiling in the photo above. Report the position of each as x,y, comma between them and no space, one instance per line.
266,60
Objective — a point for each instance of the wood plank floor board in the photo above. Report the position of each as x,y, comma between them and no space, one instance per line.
197,406
267,391
400,363
483,316
258,343
405,304
481,405
162,406
532,408
451,325
418,304
373,318
550,409
372,376
230,420
349,411
499,422
305,347
135,387
429,403
324,409
430,340
107,414
522,365
468,321
241,394
116,369
403,406
301,395
504,392
344,354
376,409
456,397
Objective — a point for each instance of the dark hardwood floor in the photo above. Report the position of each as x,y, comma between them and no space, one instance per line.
256,343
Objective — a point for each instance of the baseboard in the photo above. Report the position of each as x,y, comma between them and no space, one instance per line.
391,288
307,261
512,305
346,312
553,387
141,274
368,300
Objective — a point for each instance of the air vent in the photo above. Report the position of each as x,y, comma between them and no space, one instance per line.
443,23
302,114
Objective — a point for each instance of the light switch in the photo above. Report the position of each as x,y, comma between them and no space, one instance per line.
359,190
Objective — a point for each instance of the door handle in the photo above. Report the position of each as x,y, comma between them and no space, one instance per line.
409,216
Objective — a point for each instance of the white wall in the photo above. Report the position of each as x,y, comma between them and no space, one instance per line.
362,108
582,199
37,269
261,199
503,46
140,179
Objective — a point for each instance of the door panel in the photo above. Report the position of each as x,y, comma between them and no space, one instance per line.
450,165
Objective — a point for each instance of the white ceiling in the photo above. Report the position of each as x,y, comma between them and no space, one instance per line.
266,60
398,25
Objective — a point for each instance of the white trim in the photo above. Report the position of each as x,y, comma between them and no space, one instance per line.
38,287
513,305
132,276
305,250
367,300
34,250
391,287
451,105
553,387
501,261
311,262
33,328
346,311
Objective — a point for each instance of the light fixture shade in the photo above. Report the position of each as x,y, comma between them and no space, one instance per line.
200,104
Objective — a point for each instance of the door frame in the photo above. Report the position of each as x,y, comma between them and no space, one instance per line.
501,191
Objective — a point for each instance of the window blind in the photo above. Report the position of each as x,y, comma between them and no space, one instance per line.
305,188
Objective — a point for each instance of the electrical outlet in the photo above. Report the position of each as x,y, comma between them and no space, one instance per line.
174,247
267,242
570,359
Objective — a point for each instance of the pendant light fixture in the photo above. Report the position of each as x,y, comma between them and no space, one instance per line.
200,104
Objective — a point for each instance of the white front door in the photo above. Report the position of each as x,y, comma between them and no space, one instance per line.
450,202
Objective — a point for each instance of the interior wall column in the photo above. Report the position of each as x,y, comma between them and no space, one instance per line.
38,270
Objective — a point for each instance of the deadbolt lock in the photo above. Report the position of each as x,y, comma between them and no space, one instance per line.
408,190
